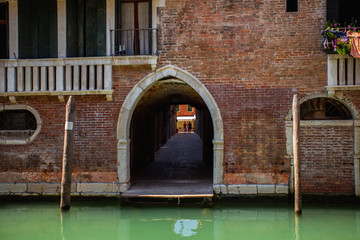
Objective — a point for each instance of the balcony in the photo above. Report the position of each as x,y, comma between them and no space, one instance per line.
81,75
58,77
130,42
343,69
343,73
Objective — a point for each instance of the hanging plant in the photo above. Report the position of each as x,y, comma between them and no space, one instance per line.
335,38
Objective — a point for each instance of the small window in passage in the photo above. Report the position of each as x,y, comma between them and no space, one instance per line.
291,5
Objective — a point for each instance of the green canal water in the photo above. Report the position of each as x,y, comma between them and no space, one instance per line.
100,220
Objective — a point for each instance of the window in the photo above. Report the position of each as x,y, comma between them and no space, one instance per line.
291,5
37,28
86,28
18,124
324,109
342,11
4,31
178,108
189,108
133,19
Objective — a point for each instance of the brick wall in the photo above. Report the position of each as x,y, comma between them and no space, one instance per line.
94,149
327,159
251,55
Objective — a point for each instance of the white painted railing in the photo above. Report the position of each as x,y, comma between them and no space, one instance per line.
56,76
343,70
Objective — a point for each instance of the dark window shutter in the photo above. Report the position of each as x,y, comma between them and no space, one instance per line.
37,28
86,28
4,50
95,30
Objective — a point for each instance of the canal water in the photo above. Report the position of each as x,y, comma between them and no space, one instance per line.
99,220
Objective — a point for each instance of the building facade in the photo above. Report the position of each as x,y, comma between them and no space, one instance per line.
185,115
128,63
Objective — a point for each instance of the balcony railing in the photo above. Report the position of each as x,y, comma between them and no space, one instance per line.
343,70
130,42
62,76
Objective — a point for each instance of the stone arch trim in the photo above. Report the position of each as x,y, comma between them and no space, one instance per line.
130,103
352,108
38,123
354,122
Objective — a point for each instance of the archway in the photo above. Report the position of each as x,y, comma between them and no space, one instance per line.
170,74
330,137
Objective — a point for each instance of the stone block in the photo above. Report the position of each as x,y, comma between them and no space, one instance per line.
266,189
223,189
217,189
13,187
248,189
47,187
282,189
123,187
233,189
97,187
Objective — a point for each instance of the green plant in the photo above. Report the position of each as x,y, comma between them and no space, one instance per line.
340,45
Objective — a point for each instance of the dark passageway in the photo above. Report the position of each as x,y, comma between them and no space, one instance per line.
162,160
179,159
178,168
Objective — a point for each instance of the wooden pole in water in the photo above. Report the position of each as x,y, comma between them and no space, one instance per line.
296,137
68,154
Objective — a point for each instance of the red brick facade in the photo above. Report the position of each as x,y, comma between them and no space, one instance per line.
327,159
252,56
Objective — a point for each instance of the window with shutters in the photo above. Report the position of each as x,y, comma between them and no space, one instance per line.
86,28
4,36
37,28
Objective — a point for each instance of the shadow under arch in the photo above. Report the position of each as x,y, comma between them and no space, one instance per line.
354,121
130,103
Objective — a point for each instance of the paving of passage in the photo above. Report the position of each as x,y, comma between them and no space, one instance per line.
178,169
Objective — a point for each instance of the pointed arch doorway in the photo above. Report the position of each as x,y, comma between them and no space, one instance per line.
172,75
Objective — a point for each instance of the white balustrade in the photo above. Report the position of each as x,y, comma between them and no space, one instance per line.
56,75
343,70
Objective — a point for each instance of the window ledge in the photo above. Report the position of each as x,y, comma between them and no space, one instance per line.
340,123
338,90
343,88
60,94
135,60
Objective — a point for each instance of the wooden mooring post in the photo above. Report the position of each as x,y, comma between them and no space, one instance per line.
67,155
296,143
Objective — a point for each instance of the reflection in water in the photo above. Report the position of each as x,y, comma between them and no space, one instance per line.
186,227
297,227
110,221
